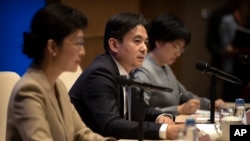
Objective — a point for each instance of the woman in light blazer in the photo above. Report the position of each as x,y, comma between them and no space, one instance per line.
39,107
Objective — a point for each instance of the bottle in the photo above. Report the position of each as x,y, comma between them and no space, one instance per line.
240,109
190,131
181,136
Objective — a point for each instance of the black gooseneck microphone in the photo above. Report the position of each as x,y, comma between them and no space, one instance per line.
127,81
130,82
204,67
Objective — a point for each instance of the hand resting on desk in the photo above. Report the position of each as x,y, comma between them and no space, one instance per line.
173,129
164,119
193,105
189,107
219,103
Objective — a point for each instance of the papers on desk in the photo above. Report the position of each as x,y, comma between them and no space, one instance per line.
203,116
209,129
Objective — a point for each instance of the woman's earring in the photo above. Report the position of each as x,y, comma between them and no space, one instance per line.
53,54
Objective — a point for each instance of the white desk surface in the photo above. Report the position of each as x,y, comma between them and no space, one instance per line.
205,128
208,128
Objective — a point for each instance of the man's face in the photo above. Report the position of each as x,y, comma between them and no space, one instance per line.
132,50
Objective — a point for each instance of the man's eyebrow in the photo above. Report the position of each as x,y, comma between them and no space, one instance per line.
139,36
79,38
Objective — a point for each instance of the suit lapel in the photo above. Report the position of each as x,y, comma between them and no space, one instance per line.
49,91
63,112
120,98
55,101
52,100
55,104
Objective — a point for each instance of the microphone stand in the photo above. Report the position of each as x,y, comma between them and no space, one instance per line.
212,98
140,114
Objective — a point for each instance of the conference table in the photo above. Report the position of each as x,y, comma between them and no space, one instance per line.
205,127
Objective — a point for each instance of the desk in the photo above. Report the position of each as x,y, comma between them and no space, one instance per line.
231,104
207,128
182,118
212,133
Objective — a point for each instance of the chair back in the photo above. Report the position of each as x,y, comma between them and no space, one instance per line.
7,81
69,78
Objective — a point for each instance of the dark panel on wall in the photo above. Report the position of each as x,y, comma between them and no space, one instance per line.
150,9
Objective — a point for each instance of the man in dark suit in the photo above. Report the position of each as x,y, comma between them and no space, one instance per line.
101,101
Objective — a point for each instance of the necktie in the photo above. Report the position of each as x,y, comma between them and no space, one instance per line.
127,103
128,100
124,103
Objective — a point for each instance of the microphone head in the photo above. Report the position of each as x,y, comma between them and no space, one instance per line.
202,66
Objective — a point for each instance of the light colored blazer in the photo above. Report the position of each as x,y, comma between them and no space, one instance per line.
37,111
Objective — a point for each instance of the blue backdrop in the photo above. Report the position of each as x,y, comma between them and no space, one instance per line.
15,18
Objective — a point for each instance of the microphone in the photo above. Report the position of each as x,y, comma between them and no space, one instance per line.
127,81
204,67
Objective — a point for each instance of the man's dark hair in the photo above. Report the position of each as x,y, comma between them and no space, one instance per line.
120,24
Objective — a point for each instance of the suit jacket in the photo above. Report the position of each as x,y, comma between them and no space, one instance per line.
37,112
99,100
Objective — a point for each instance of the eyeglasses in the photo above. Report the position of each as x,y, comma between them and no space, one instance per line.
178,48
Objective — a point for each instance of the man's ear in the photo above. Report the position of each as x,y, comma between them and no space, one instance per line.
113,44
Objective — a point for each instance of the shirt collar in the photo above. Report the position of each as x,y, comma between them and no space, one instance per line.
122,71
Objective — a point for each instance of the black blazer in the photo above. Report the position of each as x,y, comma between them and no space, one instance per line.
99,100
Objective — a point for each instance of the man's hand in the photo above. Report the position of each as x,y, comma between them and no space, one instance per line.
219,103
173,130
165,119
189,107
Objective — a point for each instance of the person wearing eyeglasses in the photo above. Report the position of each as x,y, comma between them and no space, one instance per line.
39,108
168,37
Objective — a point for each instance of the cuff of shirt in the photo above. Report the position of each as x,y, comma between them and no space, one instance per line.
163,131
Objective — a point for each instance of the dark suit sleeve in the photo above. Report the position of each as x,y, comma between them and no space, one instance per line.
150,113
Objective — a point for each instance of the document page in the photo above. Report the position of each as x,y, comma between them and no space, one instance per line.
203,116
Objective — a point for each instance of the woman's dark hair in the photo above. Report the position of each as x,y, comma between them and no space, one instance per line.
167,27
120,24
55,21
